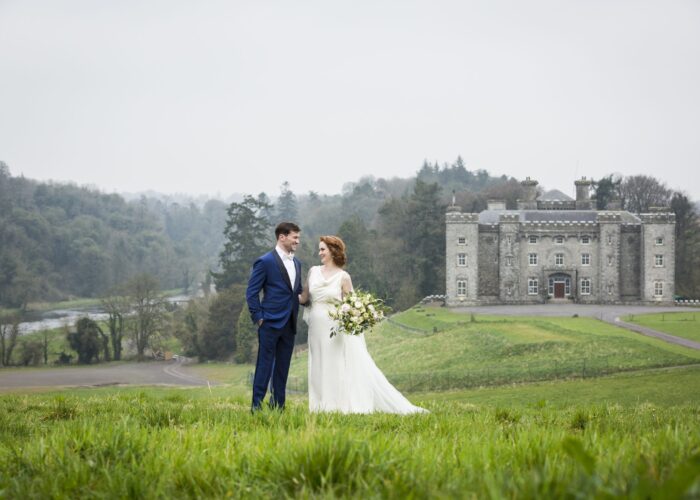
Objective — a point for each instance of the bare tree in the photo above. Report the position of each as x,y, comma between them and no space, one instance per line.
148,311
641,192
117,307
8,340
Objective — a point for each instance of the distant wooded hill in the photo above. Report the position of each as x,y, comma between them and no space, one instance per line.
62,240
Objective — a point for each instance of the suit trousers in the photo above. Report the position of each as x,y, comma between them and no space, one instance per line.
275,347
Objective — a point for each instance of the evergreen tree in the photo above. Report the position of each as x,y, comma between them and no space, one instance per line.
246,339
287,205
606,189
247,235
217,339
687,244
85,340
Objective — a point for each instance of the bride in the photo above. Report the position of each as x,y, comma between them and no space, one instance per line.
342,374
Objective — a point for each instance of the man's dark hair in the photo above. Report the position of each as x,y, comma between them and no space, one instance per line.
285,228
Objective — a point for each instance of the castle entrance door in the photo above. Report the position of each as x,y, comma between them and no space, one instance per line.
559,285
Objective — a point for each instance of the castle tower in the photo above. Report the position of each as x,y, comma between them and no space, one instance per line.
583,194
530,195
461,254
658,263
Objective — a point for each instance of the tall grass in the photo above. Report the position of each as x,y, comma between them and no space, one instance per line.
179,443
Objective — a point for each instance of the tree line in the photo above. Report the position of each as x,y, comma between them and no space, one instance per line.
394,229
61,241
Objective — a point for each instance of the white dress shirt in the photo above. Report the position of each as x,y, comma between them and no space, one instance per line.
288,261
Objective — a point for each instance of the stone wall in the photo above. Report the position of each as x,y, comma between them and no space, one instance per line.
608,283
630,258
488,263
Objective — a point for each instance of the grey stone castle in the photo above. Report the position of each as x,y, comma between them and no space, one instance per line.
551,250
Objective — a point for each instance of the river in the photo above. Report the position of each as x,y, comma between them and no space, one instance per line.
59,318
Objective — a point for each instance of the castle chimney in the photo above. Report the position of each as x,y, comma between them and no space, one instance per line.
583,194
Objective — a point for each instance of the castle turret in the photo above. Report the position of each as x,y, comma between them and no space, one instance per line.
583,194
529,201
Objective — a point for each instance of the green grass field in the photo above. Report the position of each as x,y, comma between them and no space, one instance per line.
681,324
501,350
631,430
153,443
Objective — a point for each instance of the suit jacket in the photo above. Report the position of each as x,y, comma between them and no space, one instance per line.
280,296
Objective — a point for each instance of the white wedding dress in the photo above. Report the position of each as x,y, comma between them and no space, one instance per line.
342,374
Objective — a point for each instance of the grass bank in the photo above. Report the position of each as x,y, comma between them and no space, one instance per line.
433,349
681,324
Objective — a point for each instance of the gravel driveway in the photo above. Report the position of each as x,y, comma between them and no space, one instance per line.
147,373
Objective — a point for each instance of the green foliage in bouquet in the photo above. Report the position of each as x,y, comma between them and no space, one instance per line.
357,312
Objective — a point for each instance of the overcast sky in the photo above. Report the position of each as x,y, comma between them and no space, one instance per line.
238,96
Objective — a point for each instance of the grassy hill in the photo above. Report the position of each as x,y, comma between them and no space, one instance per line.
433,349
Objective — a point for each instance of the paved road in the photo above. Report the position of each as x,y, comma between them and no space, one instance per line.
609,314
149,373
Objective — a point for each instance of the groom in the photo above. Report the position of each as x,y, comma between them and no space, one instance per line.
278,275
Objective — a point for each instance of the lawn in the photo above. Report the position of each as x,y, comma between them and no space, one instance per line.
681,324
174,443
457,351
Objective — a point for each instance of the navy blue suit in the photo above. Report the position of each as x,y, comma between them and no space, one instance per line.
278,310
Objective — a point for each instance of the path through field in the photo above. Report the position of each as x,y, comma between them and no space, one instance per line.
609,314
147,373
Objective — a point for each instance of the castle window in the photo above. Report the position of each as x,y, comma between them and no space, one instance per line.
658,260
509,261
532,286
610,239
610,289
659,241
585,239
533,239
559,259
550,287
532,259
658,288
585,286
610,260
585,259
559,240
461,288
461,240
462,259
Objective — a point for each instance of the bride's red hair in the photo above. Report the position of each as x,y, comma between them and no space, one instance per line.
337,248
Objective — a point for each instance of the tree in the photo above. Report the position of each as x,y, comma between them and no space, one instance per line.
687,244
188,324
217,339
30,352
85,340
246,339
360,243
641,192
247,235
425,237
116,306
9,332
606,189
287,205
148,311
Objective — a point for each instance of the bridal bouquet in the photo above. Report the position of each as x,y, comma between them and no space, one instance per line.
357,312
